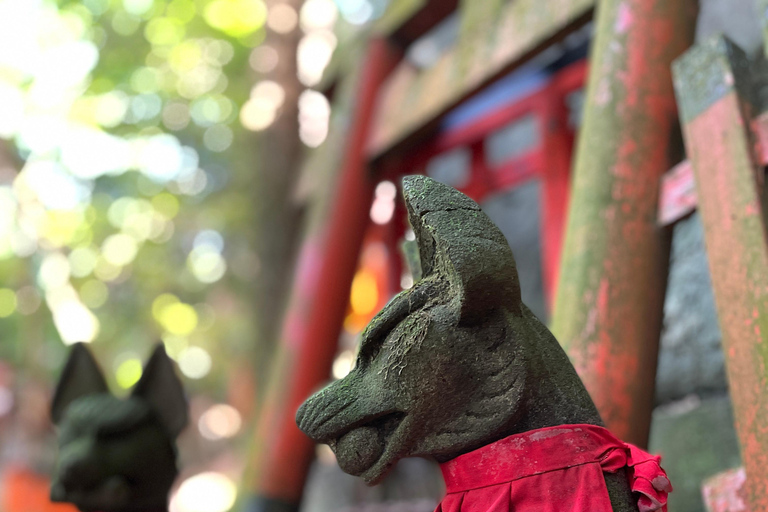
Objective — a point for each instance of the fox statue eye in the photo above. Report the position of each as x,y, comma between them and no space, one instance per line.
369,351
385,326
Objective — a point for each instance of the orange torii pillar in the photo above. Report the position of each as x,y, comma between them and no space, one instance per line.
610,295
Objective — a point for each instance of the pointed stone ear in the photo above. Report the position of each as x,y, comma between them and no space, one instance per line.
81,377
161,389
458,242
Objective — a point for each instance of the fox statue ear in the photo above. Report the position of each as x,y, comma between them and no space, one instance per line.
81,377
458,240
161,389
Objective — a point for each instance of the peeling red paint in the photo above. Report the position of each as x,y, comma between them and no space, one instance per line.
721,152
615,257
724,492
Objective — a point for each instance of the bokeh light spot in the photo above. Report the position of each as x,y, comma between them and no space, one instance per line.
314,118
342,365
82,261
8,302
97,7
209,238
124,23
195,362
205,492
119,249
314,54
207,265
137,7
107,271
167,204
218,138
174,345
220,421
282,18
54,271
263,59
365,293
161,302
28,300
236,17
257,115
178,318
185,56
145,80
164,31
318,14
75,322
128,373
383,207
176,116
183,10
94,293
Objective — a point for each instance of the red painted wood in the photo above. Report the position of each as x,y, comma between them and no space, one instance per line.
730,187
549,161
724,492
557,151
730,203
609,307
678,194
282,453
678,189
760,129
519,170
564,82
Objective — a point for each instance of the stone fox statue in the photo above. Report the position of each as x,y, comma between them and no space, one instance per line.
459,370
116,455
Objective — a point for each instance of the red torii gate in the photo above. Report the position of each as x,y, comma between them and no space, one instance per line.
502,37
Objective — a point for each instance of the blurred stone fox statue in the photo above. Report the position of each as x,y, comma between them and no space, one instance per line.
116,455
459,370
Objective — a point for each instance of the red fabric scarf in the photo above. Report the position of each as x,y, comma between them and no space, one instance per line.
554,469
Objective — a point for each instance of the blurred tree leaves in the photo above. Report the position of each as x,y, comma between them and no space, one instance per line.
178,67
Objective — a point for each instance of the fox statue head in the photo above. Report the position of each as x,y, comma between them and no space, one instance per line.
452,364
116,455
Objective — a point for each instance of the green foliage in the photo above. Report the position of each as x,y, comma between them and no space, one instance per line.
145,206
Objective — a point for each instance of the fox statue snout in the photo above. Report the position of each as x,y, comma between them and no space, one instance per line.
450,364
116,455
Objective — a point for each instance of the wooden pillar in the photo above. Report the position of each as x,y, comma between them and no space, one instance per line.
608,311
281,454
714,94
557,146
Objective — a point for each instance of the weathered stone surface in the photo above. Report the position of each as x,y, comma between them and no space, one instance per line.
691,356
116,455
456,362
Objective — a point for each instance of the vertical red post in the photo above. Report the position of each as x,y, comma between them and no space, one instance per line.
714,94
610,296
281,454
557,146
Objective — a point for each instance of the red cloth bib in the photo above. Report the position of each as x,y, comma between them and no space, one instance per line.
554,469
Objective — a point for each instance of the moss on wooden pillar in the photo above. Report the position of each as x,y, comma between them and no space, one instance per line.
608,311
